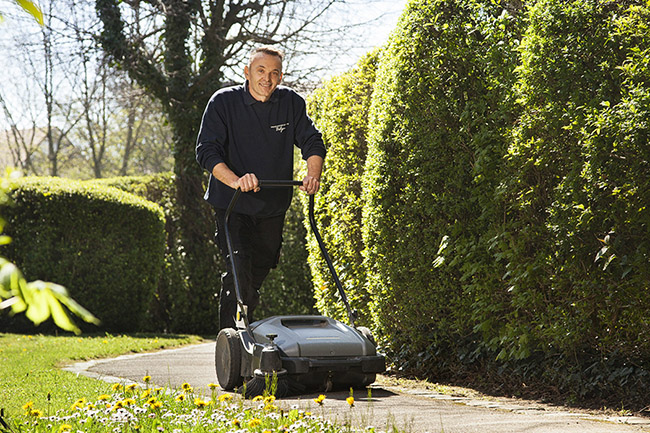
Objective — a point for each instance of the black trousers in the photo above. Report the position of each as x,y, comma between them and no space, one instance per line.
256,244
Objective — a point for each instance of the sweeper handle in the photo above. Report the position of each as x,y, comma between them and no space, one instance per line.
352,314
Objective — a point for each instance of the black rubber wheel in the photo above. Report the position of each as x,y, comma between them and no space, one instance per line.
227,359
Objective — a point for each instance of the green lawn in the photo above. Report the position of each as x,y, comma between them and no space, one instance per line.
37,397
29,364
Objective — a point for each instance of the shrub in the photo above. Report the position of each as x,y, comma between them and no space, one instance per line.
439,119
340,110
576,237
104,245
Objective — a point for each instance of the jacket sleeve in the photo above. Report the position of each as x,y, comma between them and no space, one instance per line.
307,137
212,140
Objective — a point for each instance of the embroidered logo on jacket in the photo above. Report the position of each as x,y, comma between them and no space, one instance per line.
281,127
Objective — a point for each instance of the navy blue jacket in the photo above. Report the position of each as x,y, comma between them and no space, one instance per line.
255,137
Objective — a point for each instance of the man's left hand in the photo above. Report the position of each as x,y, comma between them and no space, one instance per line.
310,185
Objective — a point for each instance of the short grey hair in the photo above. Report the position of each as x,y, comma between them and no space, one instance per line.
266,49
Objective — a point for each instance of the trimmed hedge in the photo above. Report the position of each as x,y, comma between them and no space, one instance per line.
505,190
104,245
340,110
438,129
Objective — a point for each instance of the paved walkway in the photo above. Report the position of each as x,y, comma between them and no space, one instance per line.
409,410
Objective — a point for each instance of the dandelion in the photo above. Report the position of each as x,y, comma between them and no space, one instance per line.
103,397
212,386
350,401
65,428
28,405
258,398
131,387
201,403
128,401
187,387
35,413
145,394
225,397
180,397
117,387
254,423
79,404
236,423
146,379
320,399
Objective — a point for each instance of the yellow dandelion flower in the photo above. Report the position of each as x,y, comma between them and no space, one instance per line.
103,397
145,394
157,390
28,405
117,387
64,428
157,405
146,379
258,398
225,397
254,423
213,386
180,397
236,422
131,387
36,413
320,399
187,387
270,407
269,399
201,403
128,401
350,401
79,404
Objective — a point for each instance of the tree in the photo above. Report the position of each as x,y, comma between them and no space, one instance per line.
181,52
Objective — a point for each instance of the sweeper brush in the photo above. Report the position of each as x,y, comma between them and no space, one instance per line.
284,355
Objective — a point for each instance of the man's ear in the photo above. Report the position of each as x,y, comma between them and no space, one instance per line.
246,72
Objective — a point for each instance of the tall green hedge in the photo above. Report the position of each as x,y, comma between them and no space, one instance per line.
576,241
439,119
340,110
104,245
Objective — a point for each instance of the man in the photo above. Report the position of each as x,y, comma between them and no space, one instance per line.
247,134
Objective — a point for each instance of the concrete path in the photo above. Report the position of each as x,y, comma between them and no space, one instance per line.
410,410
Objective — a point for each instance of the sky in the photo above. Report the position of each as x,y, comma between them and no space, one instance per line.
381,14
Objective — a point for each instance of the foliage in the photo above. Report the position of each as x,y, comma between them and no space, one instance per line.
340,110
103,244
439,115
39,300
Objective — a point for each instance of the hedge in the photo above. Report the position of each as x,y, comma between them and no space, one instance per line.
340,110
439,119
104,245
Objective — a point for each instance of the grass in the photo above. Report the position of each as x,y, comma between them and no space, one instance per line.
37,397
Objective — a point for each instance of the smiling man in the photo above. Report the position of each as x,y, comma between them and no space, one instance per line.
248,132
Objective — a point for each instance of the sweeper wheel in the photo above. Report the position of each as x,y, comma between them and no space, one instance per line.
228,359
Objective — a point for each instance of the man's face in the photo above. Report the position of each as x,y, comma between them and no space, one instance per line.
263,75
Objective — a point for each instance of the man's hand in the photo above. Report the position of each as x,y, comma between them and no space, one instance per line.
248,182
310,185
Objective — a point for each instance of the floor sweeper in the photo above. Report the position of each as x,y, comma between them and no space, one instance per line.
294,354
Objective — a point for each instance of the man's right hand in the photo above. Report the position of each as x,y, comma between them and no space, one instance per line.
248,182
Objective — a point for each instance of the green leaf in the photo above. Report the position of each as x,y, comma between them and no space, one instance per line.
33,9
